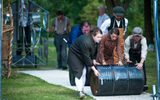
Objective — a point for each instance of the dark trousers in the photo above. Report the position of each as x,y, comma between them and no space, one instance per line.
136,58
61,49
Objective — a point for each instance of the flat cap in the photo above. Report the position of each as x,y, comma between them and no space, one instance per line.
118,11
137,31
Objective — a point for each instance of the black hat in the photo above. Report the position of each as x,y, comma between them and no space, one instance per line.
118,11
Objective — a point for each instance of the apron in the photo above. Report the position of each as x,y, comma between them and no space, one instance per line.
121,42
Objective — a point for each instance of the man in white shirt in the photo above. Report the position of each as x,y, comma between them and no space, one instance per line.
136,51
102,16
116,21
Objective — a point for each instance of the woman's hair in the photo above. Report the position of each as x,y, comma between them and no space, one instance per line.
114,30
95,31
85,22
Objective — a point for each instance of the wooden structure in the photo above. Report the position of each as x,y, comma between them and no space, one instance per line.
7,37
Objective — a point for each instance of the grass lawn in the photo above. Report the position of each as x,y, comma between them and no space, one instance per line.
151,70
26,87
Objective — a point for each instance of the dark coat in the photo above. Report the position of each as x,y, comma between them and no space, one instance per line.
81,54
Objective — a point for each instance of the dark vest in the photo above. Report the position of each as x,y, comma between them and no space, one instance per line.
135,49
114,24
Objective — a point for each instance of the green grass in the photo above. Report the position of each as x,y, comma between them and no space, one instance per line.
26,87
151,69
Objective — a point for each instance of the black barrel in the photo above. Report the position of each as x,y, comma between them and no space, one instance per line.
72,77
117,80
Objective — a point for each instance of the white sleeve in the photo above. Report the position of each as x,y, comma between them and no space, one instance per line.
144,48
126,25
106,17
127,47
105,25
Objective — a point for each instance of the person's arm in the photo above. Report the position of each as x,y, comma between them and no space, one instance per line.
68,26
105,25
73,35
85,47
144,48
101,50
126,48
106,17
126,25
95,71
143,53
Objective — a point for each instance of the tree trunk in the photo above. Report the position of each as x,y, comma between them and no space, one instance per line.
109,4
126,4
148,22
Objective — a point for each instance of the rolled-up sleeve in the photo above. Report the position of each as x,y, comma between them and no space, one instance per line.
127,47
126,25
144,48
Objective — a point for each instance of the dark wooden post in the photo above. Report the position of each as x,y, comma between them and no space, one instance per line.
1,49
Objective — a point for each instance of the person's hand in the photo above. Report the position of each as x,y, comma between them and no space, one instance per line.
139,66
96,73
120,63
104,63
95,62
128,61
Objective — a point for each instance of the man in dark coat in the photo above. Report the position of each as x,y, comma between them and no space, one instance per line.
81,55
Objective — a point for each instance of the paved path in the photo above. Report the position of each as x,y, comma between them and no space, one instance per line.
59,77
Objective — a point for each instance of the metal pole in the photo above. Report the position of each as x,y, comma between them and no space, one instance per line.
154,92
157,42
1,49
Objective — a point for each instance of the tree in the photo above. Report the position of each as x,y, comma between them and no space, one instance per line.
148,29
112,3
90,11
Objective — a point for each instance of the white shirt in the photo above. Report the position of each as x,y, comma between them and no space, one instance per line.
107,23
101,19
143,49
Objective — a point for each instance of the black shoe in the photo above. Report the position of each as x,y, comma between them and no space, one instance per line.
145,88
59,68
64,68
